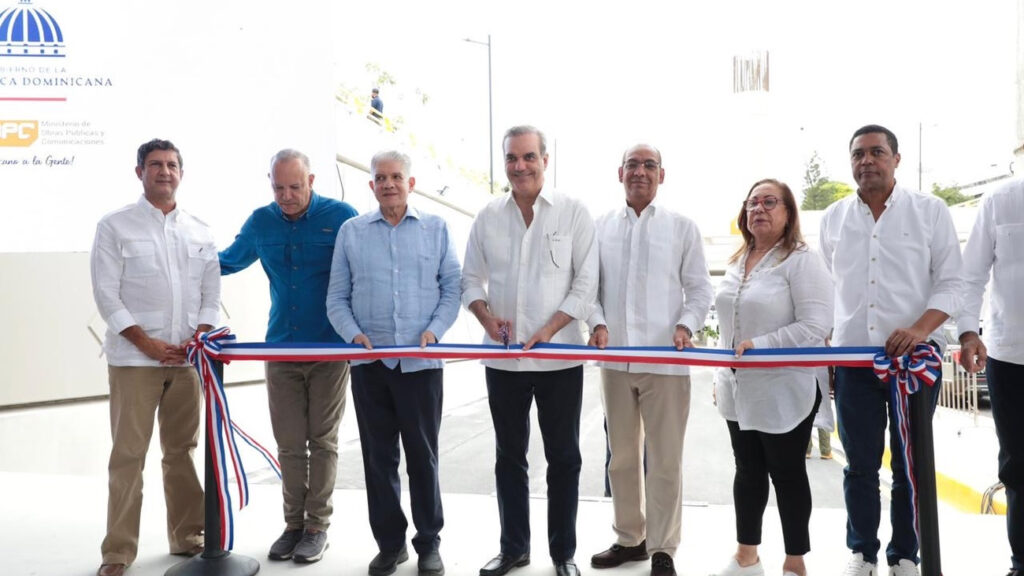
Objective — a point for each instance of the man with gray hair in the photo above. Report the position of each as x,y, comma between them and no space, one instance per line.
293,238
395,282
531,276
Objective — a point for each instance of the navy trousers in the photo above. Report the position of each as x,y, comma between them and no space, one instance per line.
559,396
863,410
392,404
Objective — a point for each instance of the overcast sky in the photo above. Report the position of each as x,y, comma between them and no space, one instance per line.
600,76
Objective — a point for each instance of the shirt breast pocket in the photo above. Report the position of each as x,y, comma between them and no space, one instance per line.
1010,242
139,259
198,256
559,248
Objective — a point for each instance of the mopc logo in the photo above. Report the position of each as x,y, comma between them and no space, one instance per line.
27,31
18,132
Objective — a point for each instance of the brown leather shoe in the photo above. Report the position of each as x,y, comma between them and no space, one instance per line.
193,551
111,570
618,555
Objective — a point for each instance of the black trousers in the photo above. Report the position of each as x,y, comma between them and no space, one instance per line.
1006,391
760,455
559,396
392,404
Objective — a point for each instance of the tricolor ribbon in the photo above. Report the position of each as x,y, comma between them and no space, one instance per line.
755,358
907,375
219,345
221,430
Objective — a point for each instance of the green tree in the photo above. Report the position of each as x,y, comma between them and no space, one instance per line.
819,191
950,195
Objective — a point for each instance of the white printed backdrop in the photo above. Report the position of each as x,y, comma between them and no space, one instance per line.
229,83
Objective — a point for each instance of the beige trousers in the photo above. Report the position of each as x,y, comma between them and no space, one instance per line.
307,401
656,406
137,395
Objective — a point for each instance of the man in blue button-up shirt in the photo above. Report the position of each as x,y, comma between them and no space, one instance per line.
395,281
293,238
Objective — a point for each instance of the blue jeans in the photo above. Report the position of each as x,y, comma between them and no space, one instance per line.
1006,391
863,410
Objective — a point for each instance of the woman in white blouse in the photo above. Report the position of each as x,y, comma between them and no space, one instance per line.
776,294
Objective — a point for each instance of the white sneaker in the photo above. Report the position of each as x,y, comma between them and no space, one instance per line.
734,569
904,568
860,567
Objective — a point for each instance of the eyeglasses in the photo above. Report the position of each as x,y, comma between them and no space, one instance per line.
767,202
633,165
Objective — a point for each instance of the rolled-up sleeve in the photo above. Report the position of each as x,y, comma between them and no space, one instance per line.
474,270
696,281
978,256
209,290
339,290
947,285
106,267
448,278
579,302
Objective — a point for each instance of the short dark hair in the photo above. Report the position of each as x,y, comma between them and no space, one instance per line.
156,144
876,129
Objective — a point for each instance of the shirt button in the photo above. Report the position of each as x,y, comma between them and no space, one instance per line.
872,281
871,305
871,328
873,258
295,267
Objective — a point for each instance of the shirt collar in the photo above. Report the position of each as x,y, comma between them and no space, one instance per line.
651,209
314,201
410,212
156,212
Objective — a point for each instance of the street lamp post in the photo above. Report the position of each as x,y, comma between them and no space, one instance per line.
490,103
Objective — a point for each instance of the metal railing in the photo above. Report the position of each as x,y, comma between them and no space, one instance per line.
959,387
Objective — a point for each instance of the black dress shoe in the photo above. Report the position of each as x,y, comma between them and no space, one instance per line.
661,565
618,555
566,568
502,563
430,564
386,563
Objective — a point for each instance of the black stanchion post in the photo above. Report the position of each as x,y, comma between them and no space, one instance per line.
214,561
924,470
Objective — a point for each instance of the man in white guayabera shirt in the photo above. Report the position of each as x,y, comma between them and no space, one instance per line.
156,282
654,291
997,246
531,276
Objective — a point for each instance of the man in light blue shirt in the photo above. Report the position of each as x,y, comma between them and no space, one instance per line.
395,281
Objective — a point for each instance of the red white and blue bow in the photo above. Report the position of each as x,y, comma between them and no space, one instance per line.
907,375
220,430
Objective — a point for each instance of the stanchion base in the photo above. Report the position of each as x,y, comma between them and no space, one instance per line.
227,564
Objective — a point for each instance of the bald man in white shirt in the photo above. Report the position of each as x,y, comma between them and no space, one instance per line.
895,259
996,246
654,291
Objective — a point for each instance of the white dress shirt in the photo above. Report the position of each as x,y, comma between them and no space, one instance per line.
653,277
887,273
527,274
155,271
782,303
997,244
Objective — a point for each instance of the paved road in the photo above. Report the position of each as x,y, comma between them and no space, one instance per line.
467,445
